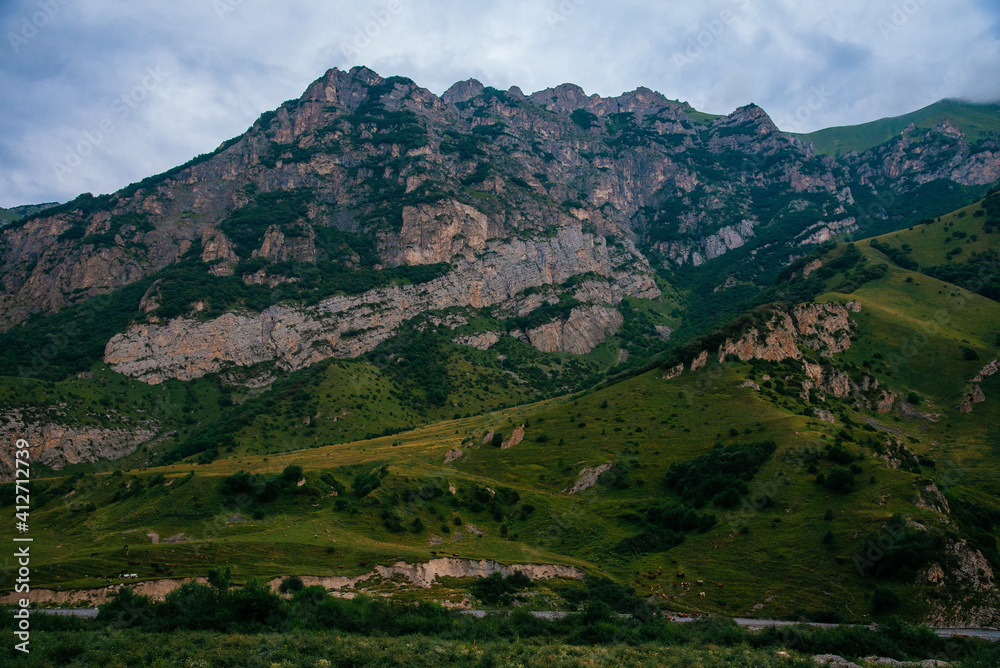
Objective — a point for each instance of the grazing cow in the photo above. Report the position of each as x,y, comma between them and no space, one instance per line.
721,585
701,582
454,555
680,575
339,566
94,554
701,594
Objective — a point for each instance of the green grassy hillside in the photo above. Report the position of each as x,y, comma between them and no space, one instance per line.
975,120
763,503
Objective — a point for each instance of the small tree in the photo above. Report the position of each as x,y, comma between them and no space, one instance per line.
220,580
291,584
498,439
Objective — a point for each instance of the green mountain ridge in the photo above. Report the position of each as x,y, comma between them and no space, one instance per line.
976,120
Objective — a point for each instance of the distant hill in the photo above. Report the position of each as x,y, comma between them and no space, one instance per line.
977,121
8,216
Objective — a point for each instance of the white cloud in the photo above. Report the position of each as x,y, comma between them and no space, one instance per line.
229,60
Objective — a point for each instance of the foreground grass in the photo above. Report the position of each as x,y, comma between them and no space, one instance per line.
138,649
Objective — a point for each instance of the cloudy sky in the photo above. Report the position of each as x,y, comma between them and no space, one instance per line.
101,93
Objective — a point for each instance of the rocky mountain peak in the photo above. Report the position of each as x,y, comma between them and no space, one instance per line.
463,91
750,115
564,98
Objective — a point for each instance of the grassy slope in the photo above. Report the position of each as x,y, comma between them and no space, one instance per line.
778,566
7,216
975,120
931,243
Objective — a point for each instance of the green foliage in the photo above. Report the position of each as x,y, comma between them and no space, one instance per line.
246,226
496,589
291,585
884,600
901,256
724,468
665,526
52,347
584,119
902,552
969,354
545,314
364,483
980,274
420,360
840,480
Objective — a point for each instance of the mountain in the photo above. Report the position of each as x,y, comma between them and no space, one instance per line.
437,335
976,121
369,189
17,212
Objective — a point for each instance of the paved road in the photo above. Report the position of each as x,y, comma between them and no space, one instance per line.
745,622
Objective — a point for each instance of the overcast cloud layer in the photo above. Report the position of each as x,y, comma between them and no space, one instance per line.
101,93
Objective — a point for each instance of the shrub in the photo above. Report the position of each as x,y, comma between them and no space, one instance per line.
291,584
499,590
884,599
840,480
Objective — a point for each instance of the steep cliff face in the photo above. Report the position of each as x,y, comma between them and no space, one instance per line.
433,179
585,329
350,326
825,328
56,445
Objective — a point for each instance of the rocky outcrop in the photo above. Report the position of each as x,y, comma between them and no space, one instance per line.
57,445
825,328
425,575
483,341
675,371
515,438
452,455
438,232
346,327
279,247
218,252
820,382
987,372
974,396
585,329
155,589
588,478
964,569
